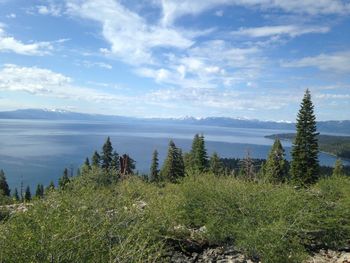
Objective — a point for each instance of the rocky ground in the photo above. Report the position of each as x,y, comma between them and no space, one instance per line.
195,249
15,208
330,256
218,254
232,255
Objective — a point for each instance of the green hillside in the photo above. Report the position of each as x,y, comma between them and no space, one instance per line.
135,221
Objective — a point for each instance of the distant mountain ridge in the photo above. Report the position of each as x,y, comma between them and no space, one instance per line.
39,114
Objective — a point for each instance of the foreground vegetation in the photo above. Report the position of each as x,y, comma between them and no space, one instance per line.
136,221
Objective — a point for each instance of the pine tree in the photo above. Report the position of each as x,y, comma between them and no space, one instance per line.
96,159
154,171
127,165
216,166
181,163
64,180
107,154
87,163
4,187
275,168
305,164
338,168
115,164
173,167
51,186
247,171
198,158
15,195
39,193
27,194
85,168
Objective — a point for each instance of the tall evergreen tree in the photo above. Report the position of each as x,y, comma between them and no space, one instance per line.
275,168
305,164
216,166
197,159
181,163
4,187
115,164
15,195
51,186
85,168
87,163
96,159
173,167
64,180
338,168
107,154
39,193
27,194
154,171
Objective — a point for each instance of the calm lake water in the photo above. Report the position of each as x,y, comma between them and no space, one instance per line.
37,151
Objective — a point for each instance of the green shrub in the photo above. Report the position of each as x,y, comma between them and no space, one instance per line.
132,221
79,225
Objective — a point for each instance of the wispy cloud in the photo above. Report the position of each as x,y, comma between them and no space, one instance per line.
91,64
131,38
173,9
290,30
11,15
10,44
48,7
44,82
335,62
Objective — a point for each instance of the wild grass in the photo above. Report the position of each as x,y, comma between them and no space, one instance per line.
132,221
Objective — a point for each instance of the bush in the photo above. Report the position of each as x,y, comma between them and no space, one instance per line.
132,221
80,225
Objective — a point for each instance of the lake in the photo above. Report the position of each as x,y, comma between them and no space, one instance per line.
37,151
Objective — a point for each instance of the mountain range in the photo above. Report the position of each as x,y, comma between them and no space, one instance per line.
40,114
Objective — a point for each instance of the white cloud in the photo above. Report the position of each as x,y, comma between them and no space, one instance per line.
44,82
290,30
219,13
226,101
173,9
327,96
90,64
50,9
129,35
12,15
210,65
336,62
10,44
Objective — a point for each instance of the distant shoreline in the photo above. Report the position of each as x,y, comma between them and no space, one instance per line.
337,146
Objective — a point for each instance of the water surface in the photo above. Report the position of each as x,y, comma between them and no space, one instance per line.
37,151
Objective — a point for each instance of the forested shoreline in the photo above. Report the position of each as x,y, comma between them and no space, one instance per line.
338,146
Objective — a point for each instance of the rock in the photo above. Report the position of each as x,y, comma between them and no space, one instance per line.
140,204
16,208
344,258
214,254
203,229
329,256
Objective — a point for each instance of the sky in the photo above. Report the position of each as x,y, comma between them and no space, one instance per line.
174,58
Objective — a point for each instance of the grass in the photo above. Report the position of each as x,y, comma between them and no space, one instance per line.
132,221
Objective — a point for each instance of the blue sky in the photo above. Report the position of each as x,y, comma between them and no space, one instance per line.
175,58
